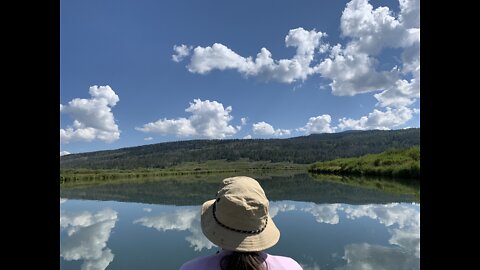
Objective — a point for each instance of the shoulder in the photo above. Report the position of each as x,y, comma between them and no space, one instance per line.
200,263
282,262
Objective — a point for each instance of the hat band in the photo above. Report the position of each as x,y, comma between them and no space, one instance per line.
237,230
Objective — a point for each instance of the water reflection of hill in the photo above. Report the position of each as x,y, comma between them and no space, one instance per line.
300,187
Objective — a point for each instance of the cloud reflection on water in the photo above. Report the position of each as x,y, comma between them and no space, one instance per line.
87,237
402,221
324,213
187,218
367,256
278,207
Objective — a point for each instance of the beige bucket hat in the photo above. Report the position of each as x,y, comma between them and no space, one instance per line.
238,219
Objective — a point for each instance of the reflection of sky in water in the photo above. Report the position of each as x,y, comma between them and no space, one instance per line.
318,236
186,218
324,213
366,256
403,222
87,236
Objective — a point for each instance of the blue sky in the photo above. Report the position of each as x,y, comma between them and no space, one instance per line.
142,72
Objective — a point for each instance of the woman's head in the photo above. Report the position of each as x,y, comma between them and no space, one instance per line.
238,219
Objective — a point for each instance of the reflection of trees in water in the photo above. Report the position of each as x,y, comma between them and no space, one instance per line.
303,187
87,237
192,192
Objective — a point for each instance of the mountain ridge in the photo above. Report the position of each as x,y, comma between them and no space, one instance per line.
302,150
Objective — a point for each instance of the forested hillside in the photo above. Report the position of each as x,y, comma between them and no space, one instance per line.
302,150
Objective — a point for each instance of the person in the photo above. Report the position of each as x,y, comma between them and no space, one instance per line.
237,221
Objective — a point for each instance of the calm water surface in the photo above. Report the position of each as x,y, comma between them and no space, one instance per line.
335,227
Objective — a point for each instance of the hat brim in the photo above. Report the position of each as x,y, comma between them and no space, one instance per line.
235,241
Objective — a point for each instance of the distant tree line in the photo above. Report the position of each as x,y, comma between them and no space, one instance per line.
301,150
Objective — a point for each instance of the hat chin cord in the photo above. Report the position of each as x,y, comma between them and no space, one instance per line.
237,230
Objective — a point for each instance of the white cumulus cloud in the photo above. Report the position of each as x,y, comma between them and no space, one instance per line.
354,72
243,121
247,137
378,120
353,67
63,153
319,124
263,128
404,92
148,138
93,118
219,56
410,13
375,29
209,119
181,51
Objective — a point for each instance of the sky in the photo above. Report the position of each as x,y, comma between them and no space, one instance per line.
146,71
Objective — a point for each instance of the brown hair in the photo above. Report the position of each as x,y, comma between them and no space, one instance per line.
243,261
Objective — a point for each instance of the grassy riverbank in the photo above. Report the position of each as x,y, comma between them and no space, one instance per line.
392,163
89,176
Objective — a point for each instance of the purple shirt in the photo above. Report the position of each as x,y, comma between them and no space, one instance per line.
212,262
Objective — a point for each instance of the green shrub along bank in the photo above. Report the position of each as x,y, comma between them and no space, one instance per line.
396,163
